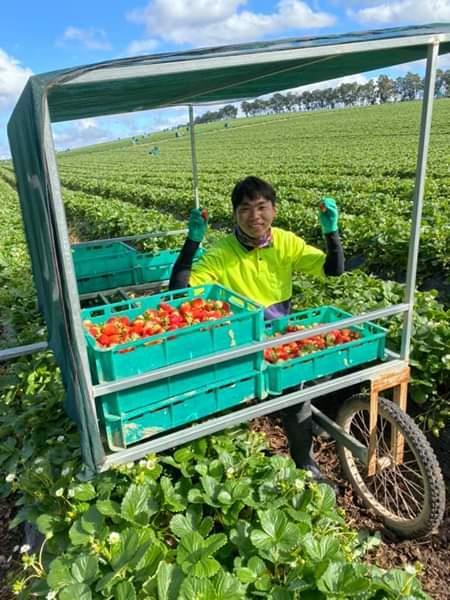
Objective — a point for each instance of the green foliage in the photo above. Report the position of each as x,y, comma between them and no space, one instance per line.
357,292
363,157
220,519
275,534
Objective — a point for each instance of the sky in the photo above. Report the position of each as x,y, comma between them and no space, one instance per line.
36,37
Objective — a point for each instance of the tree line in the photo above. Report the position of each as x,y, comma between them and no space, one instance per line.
375,91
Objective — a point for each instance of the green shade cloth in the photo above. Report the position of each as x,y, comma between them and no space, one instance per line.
220,74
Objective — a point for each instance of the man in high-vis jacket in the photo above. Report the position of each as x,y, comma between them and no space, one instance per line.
258,260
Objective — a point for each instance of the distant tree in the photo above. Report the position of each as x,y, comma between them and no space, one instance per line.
408,87
413,85
318,99
348,93
246,108
228,112
368,93
290,101
307,100
385,88
277,103
439,83
446,83
259,106
330,97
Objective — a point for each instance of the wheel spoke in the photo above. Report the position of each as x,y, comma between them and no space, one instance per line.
397,488
399,492
406,488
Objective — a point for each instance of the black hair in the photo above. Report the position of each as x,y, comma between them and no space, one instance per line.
252,187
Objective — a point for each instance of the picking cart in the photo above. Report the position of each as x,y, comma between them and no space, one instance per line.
384,454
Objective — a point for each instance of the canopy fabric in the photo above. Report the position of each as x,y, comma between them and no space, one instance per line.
191,77
233,72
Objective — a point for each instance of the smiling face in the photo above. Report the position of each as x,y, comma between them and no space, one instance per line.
255,217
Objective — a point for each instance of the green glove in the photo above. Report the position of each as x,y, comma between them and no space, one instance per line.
198,224
328,215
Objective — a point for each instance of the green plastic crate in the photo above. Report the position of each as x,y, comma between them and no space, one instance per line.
157,266
245,326
102,258
128,428
103,266
110,265
370,346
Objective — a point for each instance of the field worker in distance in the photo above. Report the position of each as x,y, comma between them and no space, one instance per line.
258,260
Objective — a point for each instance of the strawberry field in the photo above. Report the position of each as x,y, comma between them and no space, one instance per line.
222,518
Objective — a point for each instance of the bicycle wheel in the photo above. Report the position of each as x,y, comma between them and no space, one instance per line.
409,497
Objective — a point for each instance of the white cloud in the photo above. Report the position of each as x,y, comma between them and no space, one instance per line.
201,22
91,38
13,77
404,11
79,133
332,83
85,132
138,47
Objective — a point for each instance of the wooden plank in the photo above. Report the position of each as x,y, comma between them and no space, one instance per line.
397,439
373,418
389,380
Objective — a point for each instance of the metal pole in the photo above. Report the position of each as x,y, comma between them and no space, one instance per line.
73,299
425,127
129,238
219,423
194,158
232,353
10,353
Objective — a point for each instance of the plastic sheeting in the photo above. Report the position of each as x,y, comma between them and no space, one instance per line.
192,77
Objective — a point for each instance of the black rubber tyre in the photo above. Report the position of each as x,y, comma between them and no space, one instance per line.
410,497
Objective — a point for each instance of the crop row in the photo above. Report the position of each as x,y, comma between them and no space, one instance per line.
198,523
365,158
355,291
20,322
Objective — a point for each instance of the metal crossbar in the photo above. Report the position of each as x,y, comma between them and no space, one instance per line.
213,359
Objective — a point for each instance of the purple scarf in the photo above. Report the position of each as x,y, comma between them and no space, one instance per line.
249,242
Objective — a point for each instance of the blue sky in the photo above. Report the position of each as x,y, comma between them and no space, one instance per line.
36,37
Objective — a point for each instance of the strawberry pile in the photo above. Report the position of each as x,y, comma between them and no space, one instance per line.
308,345
118,330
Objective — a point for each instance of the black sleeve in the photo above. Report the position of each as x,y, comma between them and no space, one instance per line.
181,270
334,263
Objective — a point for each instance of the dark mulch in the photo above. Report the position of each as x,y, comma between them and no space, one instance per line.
10,543
432,552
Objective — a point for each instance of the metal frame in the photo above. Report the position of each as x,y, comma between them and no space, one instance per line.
252,57
265,407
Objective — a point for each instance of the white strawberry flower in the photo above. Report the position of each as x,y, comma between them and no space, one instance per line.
10,477
114,537
25,548
59,492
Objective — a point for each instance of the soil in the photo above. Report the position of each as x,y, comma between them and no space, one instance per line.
432,552
11,541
